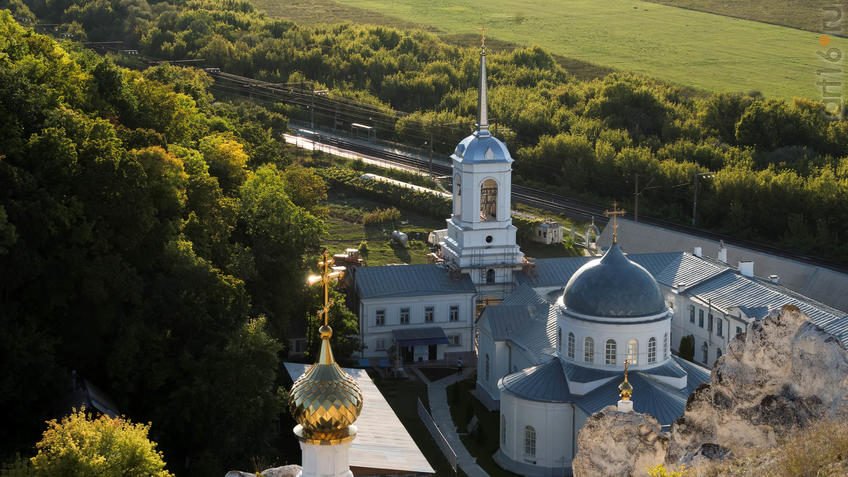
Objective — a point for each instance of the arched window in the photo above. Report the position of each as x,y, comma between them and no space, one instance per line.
589,350
559,339
665,346
489,200
571,345
610,356
652,350
487,366
718,353
457,195
529,441
705,348
503,429
490,276
633,351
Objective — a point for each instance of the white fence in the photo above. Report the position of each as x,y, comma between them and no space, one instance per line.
428,421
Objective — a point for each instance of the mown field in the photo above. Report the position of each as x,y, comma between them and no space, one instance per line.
687,47
803,14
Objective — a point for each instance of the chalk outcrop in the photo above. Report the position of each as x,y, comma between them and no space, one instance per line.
619,443
284,471
784,373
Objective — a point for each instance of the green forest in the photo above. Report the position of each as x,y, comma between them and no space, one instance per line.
154,238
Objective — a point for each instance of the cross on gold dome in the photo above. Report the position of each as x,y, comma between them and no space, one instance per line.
614,214
327,276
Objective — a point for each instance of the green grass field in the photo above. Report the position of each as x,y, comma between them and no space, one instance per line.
687,47
803,14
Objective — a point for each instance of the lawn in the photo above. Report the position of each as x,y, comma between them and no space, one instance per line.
345,231
691,48
484,441
402,396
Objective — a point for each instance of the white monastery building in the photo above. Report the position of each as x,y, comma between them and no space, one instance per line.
552,342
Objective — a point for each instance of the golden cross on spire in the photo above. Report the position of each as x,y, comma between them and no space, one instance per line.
614,214
328,275
483,40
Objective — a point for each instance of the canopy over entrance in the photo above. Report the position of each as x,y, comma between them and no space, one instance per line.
420,336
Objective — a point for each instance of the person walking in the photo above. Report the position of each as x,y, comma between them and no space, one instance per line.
459,366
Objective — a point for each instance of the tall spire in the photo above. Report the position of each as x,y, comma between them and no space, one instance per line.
483,98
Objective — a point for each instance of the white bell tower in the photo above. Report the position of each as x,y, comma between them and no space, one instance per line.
481,238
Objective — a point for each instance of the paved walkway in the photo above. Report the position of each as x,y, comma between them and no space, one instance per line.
438,397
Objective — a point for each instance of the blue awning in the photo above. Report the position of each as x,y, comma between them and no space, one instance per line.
420,336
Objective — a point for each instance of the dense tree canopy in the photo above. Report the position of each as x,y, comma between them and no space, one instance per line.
143,247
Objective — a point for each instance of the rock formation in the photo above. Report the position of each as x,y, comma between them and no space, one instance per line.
619,444
284,471
784,373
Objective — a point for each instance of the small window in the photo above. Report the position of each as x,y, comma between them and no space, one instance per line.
589,350
719,326
529,441
652,350
381,344
718,353
404,316
428,314
454,313
454,340
710,322
559,339
700,318
633,352
571,345
665,346
691,313
705,348
610,356
490,276
738,330
381,317
487,366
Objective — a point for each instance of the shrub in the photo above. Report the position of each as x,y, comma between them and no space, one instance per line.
105,446
380,216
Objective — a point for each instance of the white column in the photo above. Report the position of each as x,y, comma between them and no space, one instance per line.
325,460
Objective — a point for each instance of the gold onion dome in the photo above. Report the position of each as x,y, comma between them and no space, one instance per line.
325,400
625,389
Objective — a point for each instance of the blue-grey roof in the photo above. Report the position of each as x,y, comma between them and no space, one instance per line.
756,297
505,321
420,336
548,382
672,269
551,272
613,287
481,147
409,281
524,295
544,383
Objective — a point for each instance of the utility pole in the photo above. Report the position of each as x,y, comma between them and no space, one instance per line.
695,200
430,168
636,198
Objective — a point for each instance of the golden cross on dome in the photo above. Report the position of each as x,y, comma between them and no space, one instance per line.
483,40
328,275
614,214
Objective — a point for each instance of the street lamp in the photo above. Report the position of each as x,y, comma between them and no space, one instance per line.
705,175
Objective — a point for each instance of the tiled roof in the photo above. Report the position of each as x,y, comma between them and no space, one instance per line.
409,280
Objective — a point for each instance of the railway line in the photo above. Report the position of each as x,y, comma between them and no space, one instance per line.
347,110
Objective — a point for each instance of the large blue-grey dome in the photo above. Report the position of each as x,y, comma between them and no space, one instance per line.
613,287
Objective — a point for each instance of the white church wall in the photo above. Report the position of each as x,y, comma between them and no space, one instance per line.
487,356
372,332
552,425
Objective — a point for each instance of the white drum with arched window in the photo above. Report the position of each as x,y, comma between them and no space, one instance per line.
633,352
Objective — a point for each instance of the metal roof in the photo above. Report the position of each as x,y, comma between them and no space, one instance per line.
524,295
544,383
758,296
507,320
420,336
649,396
674,268
382,442
613,287
410,280
552,272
